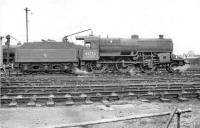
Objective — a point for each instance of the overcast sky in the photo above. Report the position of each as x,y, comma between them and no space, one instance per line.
176,19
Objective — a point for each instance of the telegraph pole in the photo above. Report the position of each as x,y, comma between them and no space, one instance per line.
26,10
1,53
8,49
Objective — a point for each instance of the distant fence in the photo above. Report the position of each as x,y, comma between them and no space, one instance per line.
194,61
103,121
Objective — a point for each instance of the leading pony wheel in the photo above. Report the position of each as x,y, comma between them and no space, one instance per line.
146,69
172,68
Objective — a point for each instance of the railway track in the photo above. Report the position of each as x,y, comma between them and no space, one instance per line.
189,72
89,80
69,90
87,94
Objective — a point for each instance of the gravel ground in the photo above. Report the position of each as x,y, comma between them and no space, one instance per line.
46,117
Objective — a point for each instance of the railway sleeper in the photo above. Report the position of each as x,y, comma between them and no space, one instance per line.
181,98
13,103
69,102
31,103
147,96
163,99
88,101
50,102
105,100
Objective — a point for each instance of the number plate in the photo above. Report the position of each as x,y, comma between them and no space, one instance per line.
90,55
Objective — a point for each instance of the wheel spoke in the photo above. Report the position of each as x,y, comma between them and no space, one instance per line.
123,67
98,67
146,69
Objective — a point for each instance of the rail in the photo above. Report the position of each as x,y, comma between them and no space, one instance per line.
175,111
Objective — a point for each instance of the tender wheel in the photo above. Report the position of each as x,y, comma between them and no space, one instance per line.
122,66
98,67
172,68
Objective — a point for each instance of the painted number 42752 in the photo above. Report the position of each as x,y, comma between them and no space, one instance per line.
91,53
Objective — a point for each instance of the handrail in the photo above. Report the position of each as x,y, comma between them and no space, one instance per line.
119,119
65,37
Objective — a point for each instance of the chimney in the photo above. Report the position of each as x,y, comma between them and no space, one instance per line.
161,36
134,37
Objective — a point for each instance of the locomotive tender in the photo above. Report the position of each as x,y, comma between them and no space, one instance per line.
98,55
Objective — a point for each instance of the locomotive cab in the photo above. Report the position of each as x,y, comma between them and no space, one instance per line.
91,48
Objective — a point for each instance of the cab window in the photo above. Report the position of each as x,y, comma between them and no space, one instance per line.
88,44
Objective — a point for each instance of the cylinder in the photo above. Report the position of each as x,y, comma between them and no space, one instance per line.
1,53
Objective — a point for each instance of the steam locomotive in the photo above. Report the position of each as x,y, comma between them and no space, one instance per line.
98,55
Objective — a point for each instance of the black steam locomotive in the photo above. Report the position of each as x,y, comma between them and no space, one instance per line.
97,55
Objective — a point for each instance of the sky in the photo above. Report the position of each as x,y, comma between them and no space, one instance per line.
53,19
